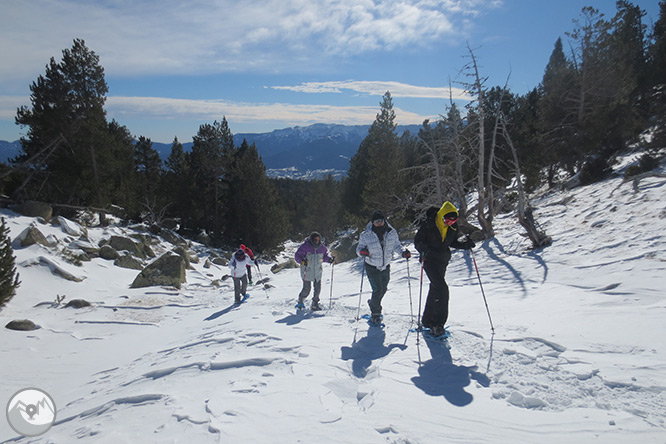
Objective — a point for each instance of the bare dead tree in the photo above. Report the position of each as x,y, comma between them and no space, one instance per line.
525,214
476,88
153,214
442,165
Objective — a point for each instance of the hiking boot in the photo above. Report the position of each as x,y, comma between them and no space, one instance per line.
437,330
376,319
315,306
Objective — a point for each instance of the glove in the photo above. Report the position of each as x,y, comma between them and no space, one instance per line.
470,244
364,252
406,254
304,262
332,259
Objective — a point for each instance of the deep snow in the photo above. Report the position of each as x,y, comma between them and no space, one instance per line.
578,355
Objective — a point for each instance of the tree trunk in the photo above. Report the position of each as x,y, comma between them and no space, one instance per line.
486,225
525,215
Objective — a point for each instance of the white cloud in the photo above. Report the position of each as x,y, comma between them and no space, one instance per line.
9,105
396,89
122,108
175,37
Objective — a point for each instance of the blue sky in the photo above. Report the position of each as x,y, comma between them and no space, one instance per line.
172,65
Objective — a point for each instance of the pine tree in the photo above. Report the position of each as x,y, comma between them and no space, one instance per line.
9,279
67,128
657,79
323,207
255,215
374,179
557,124
149,168
209,163
178,184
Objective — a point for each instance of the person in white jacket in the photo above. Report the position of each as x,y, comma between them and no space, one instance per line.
238,265
376,245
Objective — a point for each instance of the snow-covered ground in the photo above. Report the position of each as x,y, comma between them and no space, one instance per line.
578,354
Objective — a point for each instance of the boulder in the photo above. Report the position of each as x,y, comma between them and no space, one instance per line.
70,227
220,261
167,270
22,325
344,249
31,236
128,261
172,237
279,267
88,247
33,208
121,243
78,303
108,252
182,252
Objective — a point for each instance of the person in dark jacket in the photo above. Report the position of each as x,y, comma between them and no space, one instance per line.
436,235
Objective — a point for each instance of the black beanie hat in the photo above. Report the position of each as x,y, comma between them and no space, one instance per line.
378,215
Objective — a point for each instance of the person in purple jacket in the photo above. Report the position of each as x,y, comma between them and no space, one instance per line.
310,255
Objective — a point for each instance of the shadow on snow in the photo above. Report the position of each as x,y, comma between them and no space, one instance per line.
297,317
440,377
366,350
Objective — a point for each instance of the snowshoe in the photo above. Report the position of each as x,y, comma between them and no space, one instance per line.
241,300
300,306
436,333
374,320
315,306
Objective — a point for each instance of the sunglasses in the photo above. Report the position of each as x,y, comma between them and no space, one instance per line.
450,220
378,221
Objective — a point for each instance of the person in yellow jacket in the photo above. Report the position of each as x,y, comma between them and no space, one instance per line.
434,240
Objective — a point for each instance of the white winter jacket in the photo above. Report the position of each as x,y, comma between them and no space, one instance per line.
380,254
239,268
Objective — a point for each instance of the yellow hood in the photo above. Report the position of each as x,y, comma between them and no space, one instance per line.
447,207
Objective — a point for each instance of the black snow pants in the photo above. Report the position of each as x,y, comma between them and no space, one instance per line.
436,310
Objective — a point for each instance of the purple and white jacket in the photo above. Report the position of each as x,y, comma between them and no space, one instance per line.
315,256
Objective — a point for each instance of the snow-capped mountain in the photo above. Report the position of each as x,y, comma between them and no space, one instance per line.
308,152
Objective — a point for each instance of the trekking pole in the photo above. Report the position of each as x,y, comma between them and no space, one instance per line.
358,311
492,328
330,298
409,285
263,284
360,292
418,323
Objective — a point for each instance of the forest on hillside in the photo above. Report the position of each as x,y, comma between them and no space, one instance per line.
603,91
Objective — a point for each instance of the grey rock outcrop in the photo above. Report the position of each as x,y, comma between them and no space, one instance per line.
128,261
33,208
279,267
22,325
120,243
31,236
167,270
108,252
78,303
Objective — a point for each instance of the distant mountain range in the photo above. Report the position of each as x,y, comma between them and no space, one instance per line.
308,152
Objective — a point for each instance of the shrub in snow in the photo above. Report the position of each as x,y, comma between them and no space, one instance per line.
8,276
